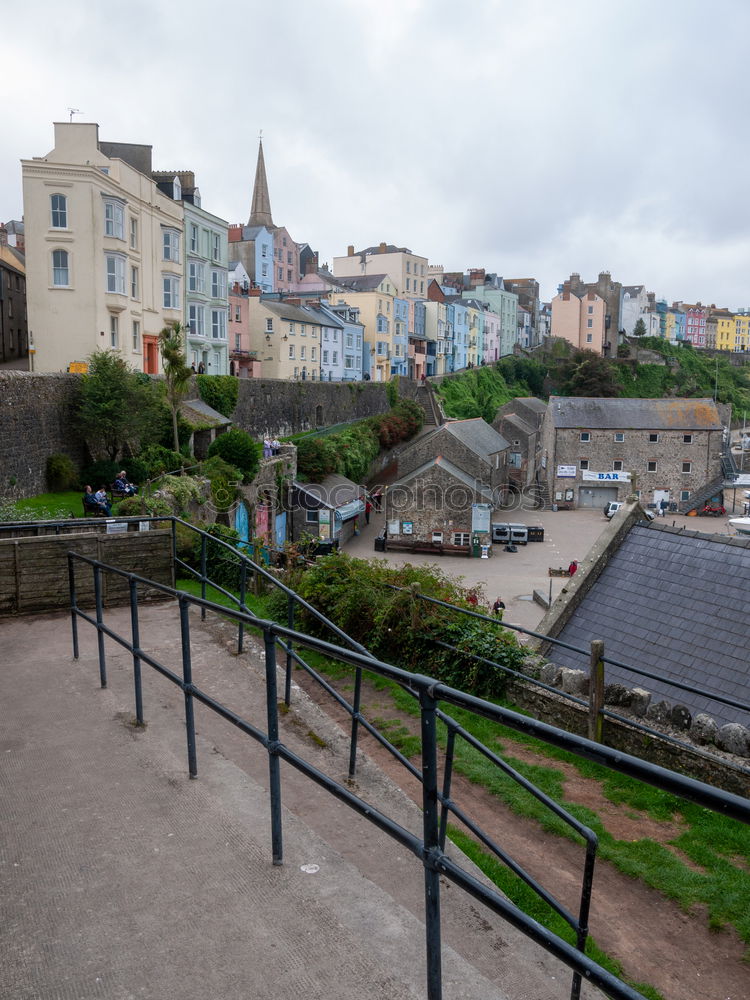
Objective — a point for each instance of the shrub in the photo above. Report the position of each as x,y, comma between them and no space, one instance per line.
61,473
143,506
239,449
317,457
157,460
224,479
100,474
219,391
391,391
136,470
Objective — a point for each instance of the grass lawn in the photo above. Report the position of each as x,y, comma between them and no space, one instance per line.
50,506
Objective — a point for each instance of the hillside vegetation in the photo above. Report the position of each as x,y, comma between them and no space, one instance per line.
564,371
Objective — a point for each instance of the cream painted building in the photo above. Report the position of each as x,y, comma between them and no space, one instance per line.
580,320
374,296
407,271
286,338
104,251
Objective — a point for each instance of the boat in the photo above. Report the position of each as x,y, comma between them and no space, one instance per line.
740,524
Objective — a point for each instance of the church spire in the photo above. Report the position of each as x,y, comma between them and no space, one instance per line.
260,210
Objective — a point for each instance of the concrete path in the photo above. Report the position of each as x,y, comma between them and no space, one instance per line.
120,878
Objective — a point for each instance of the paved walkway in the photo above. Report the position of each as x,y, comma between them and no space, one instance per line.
120,878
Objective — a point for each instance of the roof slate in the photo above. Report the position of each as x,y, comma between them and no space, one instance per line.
634,414
668,602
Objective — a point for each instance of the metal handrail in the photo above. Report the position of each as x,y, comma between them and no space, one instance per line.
430,847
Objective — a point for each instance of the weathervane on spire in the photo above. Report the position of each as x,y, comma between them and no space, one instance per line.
260,135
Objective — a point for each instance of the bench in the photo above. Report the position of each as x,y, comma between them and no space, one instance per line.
89,510
425,547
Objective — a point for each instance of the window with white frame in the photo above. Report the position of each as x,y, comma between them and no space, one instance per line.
196,276
59,211
311,516
264,270
114,219
60,269
350,340
349,361
280,273
585,436
325,357
687,438
269,324
218,324
197,320
687,467
115,273
313,353
133,233
136,335
171,291
114,330
303,353
237,313
302,330
291,329
335,358
619,437
134,282
684,494
218,284
171,245
461,538
653,438
216,247
292,352
194,238
238,342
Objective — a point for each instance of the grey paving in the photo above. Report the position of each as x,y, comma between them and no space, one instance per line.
121,878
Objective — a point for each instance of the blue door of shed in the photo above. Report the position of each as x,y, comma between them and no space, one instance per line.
242,525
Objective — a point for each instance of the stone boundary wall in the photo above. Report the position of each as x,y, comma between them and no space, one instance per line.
36,417
34,571
36,421
713,769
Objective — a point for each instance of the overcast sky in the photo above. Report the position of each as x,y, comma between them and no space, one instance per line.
529,137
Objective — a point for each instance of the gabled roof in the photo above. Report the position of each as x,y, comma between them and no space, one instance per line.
361,282
195,411
334,491
12,258
296,313
673,602
634,414
477,435
439,462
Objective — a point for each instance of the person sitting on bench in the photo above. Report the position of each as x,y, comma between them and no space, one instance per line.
101,498
123,487
91,503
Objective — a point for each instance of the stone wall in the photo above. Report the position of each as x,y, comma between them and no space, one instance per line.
278,408
36,417
36,421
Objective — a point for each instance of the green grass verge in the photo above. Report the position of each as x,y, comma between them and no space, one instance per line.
529,902
51,506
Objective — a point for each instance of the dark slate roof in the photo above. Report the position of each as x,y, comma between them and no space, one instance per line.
477,435
334,491
634,414
360,282
673,602
197,412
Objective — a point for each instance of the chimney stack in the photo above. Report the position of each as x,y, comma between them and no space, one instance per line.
383,247
350,251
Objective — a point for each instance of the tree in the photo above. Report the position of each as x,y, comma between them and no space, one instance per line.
176,372
584,373
639,330
116,406
239,449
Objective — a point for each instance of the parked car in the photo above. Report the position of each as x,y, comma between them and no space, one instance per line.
712,510
612,507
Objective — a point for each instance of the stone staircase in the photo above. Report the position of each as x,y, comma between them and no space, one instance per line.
425,396
699,498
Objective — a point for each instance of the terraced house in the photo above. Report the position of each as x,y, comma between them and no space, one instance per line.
104,251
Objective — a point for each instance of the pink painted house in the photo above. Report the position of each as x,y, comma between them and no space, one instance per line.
580,319
243,362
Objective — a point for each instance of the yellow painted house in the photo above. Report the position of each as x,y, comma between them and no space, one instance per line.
724,329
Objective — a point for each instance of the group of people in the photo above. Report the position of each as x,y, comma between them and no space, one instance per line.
200,370
99,503
271,448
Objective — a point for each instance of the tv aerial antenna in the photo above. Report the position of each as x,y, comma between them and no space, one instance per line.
74,111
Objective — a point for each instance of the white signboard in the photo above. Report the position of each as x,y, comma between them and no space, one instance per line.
567,471
480,516
144,526
116,527
394,527
605,477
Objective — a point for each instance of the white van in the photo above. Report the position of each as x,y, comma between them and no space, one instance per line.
612,507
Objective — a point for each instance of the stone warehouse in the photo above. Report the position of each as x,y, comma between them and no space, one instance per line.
590,447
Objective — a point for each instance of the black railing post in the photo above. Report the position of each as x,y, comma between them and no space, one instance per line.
582,931
596,691
173,522
203,575
99,622
136,647
243,606
274,769
187,686
73,604
431,837
356,705
290,608
447,776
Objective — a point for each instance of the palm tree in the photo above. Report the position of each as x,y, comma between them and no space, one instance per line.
176,372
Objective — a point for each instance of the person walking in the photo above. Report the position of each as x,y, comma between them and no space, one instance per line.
663,507
573,567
